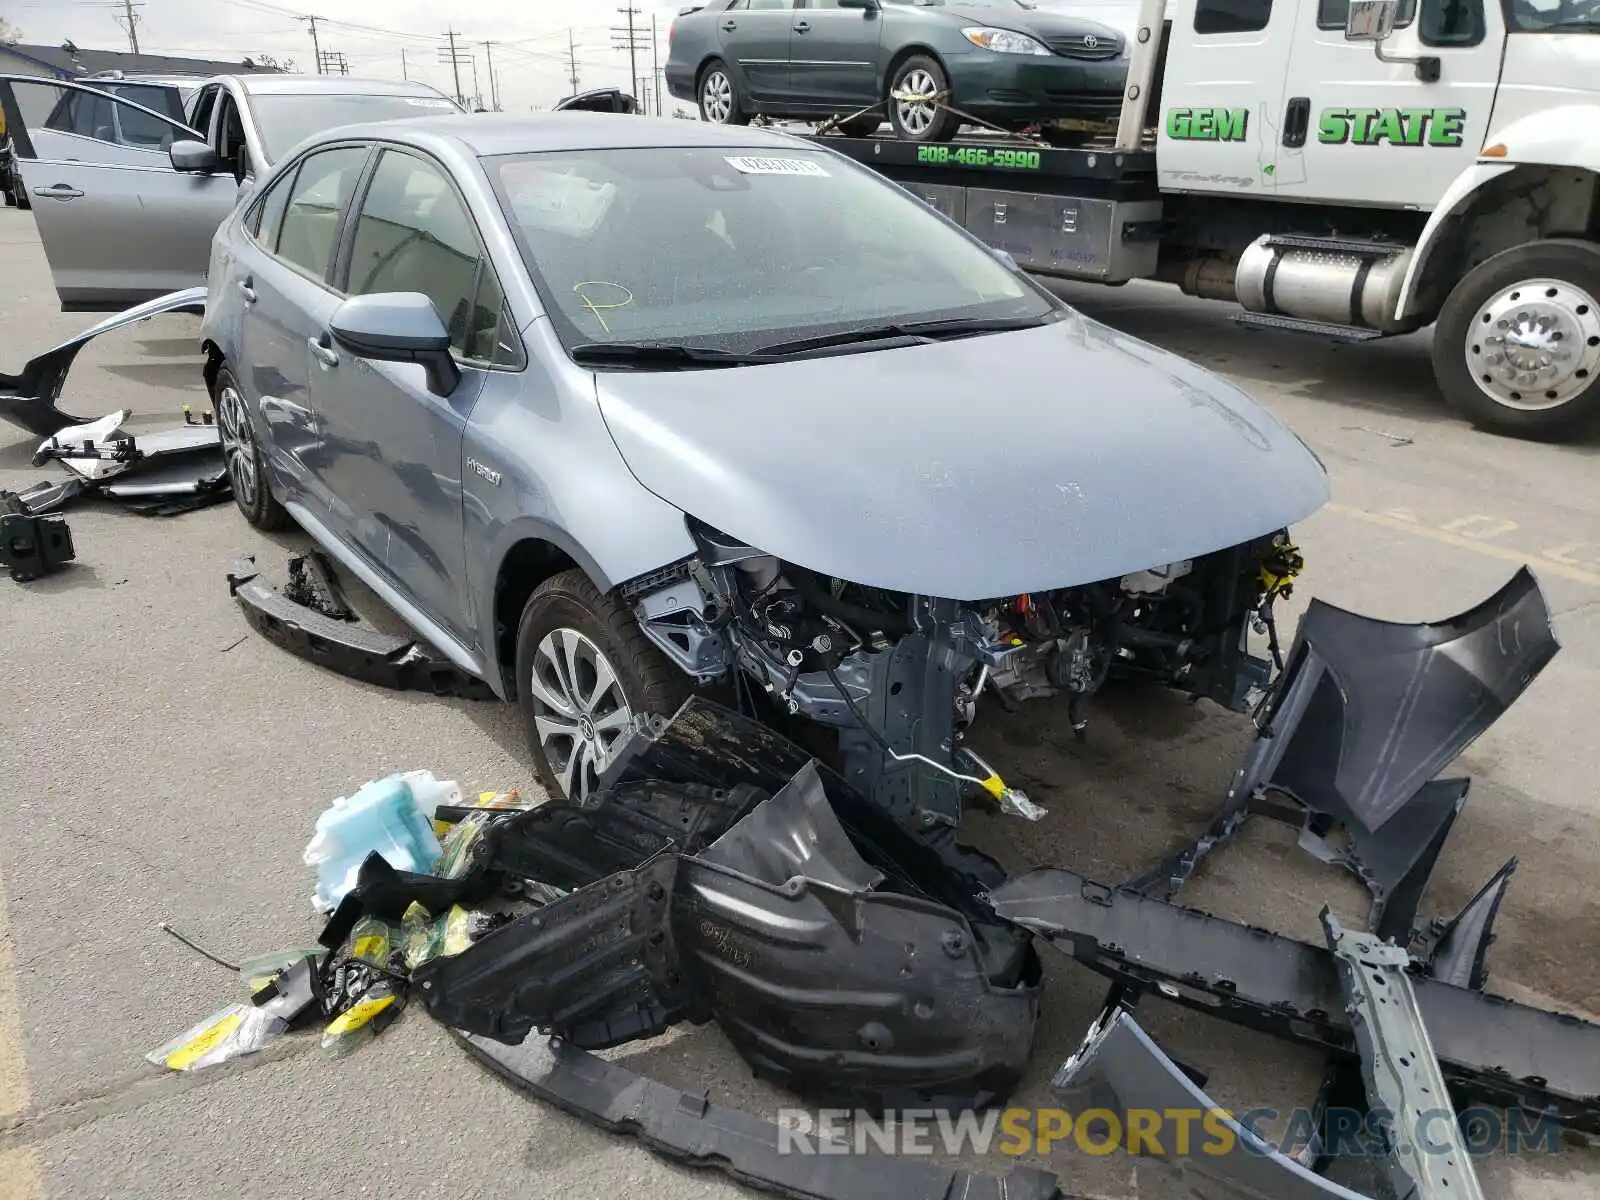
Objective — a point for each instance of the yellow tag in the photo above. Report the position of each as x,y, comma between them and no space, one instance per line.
370,946
442,828
357,1015
202,1044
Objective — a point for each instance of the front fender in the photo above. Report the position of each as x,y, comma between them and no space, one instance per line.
1455,200
1553,137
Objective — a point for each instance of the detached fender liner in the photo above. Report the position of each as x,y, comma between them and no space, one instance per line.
689,1129
826,978
1491,1050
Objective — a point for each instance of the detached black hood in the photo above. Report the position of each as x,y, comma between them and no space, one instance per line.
985,466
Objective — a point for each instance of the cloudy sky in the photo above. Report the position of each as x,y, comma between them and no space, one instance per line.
529,39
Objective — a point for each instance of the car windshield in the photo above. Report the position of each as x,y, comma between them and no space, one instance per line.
1552,16
736,249
284,118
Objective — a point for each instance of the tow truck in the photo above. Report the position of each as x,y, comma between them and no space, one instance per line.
1353,169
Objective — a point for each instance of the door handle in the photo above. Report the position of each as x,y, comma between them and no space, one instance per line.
802,27
729,26
1296,121
248,292
58,191
324,354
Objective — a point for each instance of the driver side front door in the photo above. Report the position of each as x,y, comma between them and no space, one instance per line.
119,224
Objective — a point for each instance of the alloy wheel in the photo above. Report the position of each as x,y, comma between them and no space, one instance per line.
582,713
1535,345
914,103
716,97
238,446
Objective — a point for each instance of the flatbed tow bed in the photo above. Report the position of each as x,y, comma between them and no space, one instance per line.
1087,213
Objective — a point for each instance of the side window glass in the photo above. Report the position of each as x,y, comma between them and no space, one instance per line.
1451,23
203,108
138,129
311,217
414,236
1332,14
266,219
1231,16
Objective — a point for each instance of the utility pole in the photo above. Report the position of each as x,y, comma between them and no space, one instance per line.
316,46
132,19
655,65
630,38
404,74
572,62
494,88
453,57
477,91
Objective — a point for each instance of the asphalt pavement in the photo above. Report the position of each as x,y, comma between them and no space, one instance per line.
161,762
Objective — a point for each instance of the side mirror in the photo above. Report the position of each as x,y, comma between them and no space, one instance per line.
398,327
1370,20
190,155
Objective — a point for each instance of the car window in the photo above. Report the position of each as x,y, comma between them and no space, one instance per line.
204,104
139,129
413,235
1231,16
285,119
737,248
86,113
265,220
317,197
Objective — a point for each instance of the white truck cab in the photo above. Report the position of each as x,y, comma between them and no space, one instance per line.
1349,168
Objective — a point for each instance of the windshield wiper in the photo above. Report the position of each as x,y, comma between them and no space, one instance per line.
916,331
660,354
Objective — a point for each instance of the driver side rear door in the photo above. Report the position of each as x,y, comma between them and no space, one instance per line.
119,224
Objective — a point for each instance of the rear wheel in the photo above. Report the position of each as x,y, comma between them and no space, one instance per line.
247,473
918,92
585,671
719,96
864,126
1516,348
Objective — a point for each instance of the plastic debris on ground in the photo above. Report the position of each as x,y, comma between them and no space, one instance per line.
392,816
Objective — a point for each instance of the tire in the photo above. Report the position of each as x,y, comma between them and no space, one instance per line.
1549,292
247,474
720,103
863,126
568,740
928,124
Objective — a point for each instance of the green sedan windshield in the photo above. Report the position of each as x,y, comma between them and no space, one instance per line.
734,248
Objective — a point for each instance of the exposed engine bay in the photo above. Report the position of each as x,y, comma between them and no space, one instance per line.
901,676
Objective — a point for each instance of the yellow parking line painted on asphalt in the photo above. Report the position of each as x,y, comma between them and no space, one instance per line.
20,1178
1539,562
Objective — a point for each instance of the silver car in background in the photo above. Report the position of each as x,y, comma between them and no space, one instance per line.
127,196
609,408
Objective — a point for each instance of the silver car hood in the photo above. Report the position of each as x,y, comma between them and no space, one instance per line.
981,467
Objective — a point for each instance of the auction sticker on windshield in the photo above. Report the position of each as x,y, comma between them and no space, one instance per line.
775,166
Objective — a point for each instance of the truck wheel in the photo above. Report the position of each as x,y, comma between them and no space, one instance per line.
917,120
584,672
719,98
1516,348
858,127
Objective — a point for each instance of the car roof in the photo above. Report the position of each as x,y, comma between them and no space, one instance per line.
329,85
489,134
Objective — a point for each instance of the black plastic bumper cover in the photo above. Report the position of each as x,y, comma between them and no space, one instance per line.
1491,1050
689,1129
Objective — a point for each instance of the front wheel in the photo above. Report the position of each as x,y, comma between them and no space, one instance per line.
585,671
919,92
1516,348
719,97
